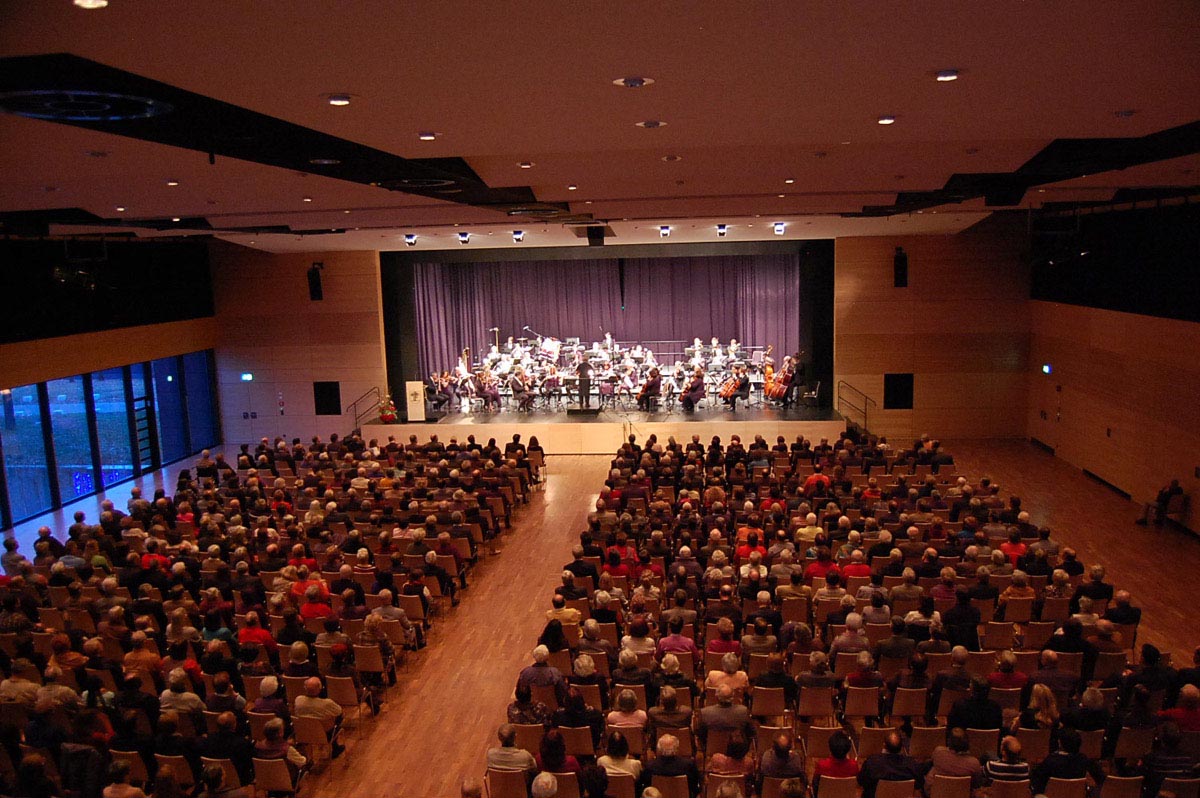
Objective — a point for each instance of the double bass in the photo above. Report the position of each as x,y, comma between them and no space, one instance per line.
729,387
779,387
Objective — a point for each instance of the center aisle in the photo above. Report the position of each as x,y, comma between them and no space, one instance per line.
443,714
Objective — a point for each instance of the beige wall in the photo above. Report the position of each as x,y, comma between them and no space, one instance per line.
961,327
270,328
1123,399
50,358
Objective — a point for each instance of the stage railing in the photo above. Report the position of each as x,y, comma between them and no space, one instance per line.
365,405
855,401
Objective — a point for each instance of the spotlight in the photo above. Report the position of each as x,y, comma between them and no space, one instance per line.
307,199
518,236
1047,368
722,229
91,5
339,100
780,228
120,209
464,237
427,135
247,376
887,119
526,164
410,239
172,183
664,231
176,219
572,187
947,75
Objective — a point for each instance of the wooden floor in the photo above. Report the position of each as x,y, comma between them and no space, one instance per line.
444,715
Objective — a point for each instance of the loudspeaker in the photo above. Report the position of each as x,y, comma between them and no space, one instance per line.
315,292
595,236
900,268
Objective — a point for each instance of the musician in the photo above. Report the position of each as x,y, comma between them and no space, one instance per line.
463,370
794,379
628,382
650,390
735,349
609,346
740,388
551,382
493,354
520,390
695,391
437,394
488,388
584,370
509,345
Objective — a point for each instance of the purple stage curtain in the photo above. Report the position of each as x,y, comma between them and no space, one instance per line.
754,298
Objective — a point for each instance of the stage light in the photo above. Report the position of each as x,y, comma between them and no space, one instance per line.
172,183
306,199
427,135
339,100
247,377
664,231
176,219
887,119
526,164
518,236
91,5
947,75
410,239
464,237
120,209
722,229
1047,368
780,228
170,378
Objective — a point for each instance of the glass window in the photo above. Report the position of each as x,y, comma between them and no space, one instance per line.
72,444
112,425
202,411
24,452
168,410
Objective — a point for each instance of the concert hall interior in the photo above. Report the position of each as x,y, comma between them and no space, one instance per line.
223,223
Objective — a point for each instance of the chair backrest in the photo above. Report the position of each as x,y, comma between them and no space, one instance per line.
506,783
1122,787
862,702
1182,788
137,765
341,690
895,789
1066,788
1035,744
578,740
293,686
272,776
950,787
1133,743
768,701
309,730
621,785
669,786
983,741
1011,789
924,739
910,702
368,659
833,787
713,782
258,724
815,702
568,785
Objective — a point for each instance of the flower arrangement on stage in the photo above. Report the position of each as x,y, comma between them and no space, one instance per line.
387,410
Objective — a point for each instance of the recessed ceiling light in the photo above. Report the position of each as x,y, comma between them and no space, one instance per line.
780,228
587,202
464,237
172,182
410,239
253,242
324,161
120,209
946,75
518,236
664,231
339,100
651,124
634,82
722,229
427,135
572,187
91,5
790,180
1041,191
346,211
307,199
887,119
526,164
176,219
781,196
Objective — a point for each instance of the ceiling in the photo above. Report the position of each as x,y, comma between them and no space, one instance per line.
753,95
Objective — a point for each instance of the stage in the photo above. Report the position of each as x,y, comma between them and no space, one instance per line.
560,433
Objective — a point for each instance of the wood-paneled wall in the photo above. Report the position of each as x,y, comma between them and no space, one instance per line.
270,328
1123,397
51,358
961,327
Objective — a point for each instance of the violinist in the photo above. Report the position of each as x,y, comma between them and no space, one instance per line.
437,390
694,392
520,390
650,390
488,389
551,382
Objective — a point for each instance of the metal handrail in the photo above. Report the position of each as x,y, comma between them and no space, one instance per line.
375,395
843,402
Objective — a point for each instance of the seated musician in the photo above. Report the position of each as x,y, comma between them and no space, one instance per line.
741,388
437,396
520,391
650,390
487,388
694,392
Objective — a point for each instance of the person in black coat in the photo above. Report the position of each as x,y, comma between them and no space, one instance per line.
670,763
226,743
976,710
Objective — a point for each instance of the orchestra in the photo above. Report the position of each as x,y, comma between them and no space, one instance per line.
544,371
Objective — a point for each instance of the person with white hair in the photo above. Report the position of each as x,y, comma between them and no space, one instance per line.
851,641
670,763
542,674
545,785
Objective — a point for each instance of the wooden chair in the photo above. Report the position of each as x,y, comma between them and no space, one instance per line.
258,724
271,776
950,787
310,733
830,787
1035,744
568,785
983,741
622,785
998,636
669,786
1133,743
816,741
137,766
895,789
768,702
578,740
910,702
924,739
870,740
1122,787
1092,743
771,787
293,687
815,702
341,690
1182,788
861,702
1066,788
713,782
1109,663
1008,698
1011,789
506,783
